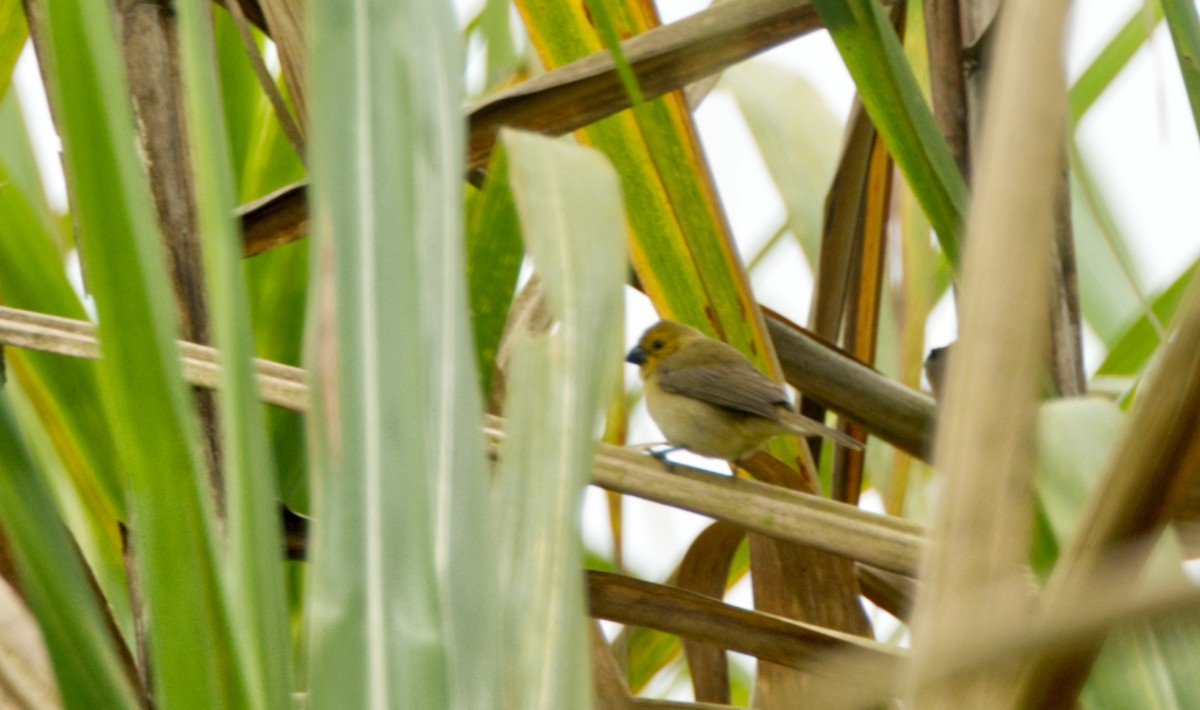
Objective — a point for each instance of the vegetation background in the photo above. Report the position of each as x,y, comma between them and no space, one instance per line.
399,526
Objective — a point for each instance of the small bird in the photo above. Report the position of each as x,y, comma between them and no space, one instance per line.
707,397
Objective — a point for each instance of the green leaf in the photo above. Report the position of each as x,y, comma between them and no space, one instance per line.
1113,58
1133,350
1184,22
494,255
33,277
569,202
401,603
63,392
13,32
150,408
252,569
868,43
1146,667
241,97
272,162
55,585
603,16
1109,291
277,282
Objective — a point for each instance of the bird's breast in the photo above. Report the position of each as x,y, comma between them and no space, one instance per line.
703,428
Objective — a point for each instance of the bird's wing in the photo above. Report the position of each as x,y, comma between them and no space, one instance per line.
734,386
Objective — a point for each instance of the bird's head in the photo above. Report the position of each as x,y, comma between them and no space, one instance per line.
660,341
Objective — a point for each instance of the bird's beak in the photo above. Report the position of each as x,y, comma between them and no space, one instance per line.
637,356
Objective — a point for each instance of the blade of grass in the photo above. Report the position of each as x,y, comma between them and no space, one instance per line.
601,13
1184,22
150,408
494,255
277,283
872,51
402,540
54,583
1113,58
558,387
253,573
32,277
13,33
1139,342
240,93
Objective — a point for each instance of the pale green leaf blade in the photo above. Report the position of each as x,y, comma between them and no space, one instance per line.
1074,439
798,136
1109,292
494,27
401,607
33,277
569,202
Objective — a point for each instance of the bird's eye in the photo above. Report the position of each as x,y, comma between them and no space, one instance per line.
657,344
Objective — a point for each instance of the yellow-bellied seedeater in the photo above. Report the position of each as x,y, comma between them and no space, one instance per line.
707,397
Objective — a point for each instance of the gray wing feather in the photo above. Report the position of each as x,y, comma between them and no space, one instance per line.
754,393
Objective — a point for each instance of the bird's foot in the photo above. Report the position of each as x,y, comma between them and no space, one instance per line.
657,449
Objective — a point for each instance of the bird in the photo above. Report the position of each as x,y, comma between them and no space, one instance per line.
707,397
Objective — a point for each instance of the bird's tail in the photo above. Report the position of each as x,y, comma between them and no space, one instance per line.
806,427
